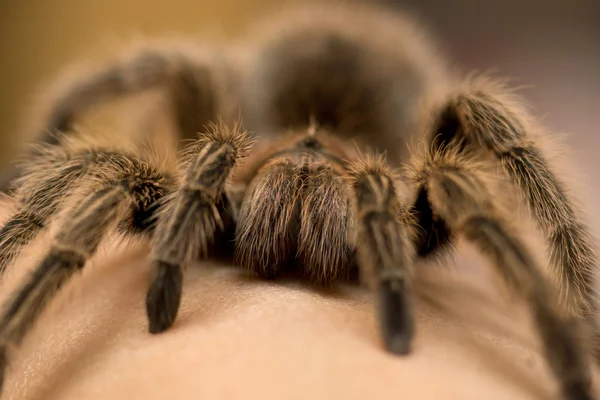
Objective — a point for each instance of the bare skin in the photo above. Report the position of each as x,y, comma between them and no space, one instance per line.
241,338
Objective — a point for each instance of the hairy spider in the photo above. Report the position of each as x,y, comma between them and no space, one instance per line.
318,84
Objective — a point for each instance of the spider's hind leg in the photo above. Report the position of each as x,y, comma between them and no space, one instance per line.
199,90
195,85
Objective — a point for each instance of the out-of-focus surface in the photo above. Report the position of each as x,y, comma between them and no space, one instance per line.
551,46
240,338
39,37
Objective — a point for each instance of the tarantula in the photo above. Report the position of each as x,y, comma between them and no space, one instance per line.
317,85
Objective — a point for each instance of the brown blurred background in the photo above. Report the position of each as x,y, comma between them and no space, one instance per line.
552,46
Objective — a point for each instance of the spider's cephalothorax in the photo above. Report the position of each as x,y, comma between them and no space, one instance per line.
331,84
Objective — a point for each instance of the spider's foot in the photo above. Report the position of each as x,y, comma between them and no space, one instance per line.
395,317
3,367
579,391
164,297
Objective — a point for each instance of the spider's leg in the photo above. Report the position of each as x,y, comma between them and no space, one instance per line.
192,83
38,195
195,86
18,231
188,222
56,166
384,248
458,196
48,180
122,191
483,117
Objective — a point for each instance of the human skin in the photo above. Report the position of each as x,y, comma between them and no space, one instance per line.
242,338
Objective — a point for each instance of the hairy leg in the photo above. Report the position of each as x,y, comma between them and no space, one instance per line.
48,180
116,195
198,88
484,116
457,195
191,218
384,247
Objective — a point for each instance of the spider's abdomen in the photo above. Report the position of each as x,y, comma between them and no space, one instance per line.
352,69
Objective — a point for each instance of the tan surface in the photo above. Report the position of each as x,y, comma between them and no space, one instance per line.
244,339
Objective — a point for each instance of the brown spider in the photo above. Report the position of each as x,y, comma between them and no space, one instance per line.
336,79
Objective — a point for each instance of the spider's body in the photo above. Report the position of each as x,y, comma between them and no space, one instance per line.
331,85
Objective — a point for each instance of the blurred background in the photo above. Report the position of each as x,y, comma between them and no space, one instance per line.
551,46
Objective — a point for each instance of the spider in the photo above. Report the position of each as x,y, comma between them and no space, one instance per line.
324,87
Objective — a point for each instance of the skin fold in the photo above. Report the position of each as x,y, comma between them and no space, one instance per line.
237,337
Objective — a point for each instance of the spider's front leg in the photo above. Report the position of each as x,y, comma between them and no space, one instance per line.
190,217
384,248
46,182
484,118
125,190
